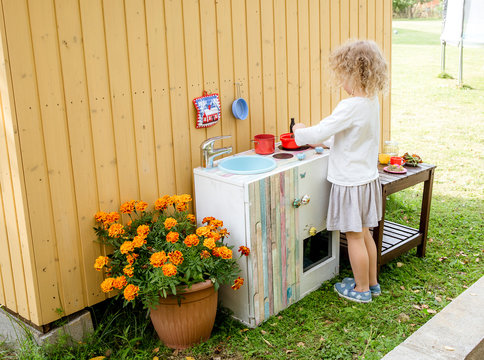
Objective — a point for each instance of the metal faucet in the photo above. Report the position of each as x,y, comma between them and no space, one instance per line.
208,153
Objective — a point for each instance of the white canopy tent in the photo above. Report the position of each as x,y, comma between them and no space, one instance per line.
462,25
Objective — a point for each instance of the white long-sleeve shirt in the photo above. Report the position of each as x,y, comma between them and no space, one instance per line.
355,124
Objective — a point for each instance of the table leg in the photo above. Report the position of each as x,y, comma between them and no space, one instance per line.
378,231
425,212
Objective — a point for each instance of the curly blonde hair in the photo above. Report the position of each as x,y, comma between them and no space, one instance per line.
362,63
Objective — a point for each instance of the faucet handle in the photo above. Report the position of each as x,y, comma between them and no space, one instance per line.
209,142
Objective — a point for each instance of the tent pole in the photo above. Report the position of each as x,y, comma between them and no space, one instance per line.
461,56
442,56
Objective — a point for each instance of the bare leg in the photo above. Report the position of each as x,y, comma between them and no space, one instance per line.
372,256
359,260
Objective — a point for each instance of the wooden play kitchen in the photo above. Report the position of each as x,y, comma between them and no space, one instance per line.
394,239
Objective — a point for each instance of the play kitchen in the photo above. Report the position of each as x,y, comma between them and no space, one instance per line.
276,205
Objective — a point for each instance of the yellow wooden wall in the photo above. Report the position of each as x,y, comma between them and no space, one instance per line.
97,109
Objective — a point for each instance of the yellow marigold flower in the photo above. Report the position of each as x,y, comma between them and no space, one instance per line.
244,250
158,259
181,206
126,247
131,258
130,292
138,241
170,223
172,237
238,283
223,232
209,243
141,205
225,252
100,216
120,282
191,218
128,270
204,254
107,285
185,198
127,207
214,235
162,203
216,252
207,219
203,231
169,269
143,230
101,261
216,223
191,240
112,217
171,200
176,257
116,230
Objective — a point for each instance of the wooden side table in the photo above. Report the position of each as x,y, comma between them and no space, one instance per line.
393,239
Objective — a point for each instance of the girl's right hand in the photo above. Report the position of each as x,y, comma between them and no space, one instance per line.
298,126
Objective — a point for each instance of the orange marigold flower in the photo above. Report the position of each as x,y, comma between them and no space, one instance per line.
225,252
214,235
223,232
120,282
129,223
126,247
216,252
143,230
131,258
172,237
203,231
244,250
141,205
185,198
162,203
111,217
181,206
204,254
207,219
128,270
138,241
170,223
127,207
209,243
101,261
238,283
216,223
158,259
191,218
169,269
191,240
100,216
176,257
107,285
130,292
116,230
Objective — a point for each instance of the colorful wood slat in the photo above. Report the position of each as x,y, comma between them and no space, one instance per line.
275,251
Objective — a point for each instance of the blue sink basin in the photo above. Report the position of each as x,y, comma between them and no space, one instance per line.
246,165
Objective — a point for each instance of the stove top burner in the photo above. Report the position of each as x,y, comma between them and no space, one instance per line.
305,147
282,156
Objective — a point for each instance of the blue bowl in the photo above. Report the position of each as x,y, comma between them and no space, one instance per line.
240,109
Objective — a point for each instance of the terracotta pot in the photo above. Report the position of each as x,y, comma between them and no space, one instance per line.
191,322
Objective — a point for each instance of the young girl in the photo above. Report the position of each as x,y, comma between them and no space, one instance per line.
353,130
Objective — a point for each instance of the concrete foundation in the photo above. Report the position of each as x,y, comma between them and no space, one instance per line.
14,332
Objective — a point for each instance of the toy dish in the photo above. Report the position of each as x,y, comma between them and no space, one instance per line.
395,169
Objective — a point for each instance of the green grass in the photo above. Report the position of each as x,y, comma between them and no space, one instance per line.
430,117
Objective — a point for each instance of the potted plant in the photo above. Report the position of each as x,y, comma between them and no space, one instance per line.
161,258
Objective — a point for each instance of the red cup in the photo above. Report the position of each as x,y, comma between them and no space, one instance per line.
264,144
396,160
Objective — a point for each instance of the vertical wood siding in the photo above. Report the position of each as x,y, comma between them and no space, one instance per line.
97,110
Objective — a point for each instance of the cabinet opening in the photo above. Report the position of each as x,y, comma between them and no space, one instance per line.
316,249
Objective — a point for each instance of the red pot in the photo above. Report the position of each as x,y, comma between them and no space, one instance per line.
264,144
288,141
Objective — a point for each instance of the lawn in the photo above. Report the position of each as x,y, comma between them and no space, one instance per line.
431,117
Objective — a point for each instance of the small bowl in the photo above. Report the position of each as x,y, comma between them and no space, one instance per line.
288,141
240,109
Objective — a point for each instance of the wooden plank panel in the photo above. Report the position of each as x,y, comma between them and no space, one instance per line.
208,29
226,71
254,61
291,240
292,51
141,98
362,19
265,246
280,68
178,95
387,52
304,63
276,242
239,39
335,42
160,93
268,66
284,201
121,101
315,62
57,149
354,19
325,19
79,130
194,72
371,20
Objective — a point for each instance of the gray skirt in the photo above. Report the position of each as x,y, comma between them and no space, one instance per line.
352,208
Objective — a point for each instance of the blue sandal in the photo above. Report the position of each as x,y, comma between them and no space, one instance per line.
375,289
348,292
